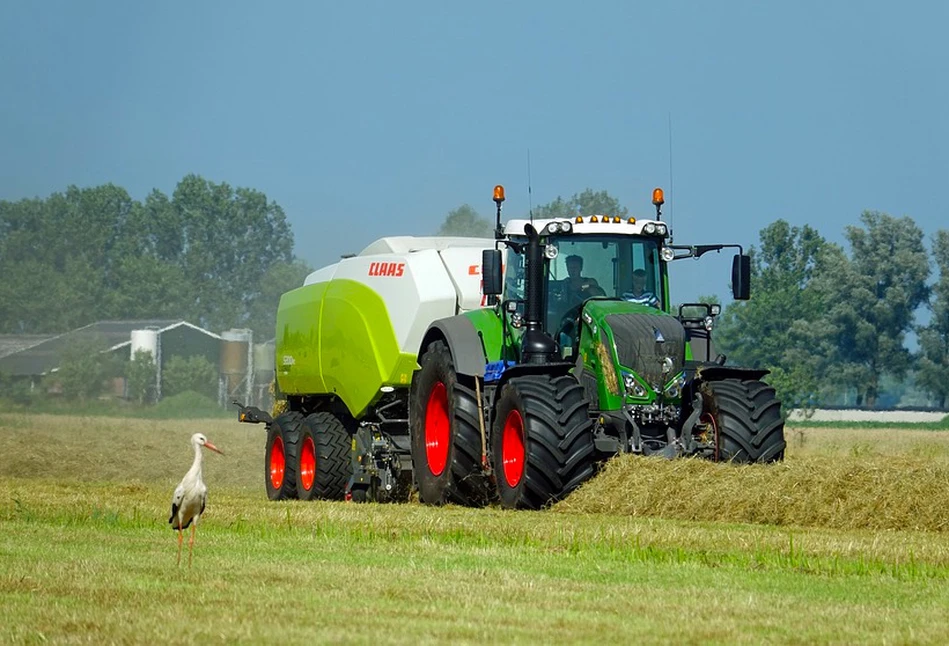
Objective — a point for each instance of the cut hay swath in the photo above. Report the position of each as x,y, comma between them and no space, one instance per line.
876,479
849,492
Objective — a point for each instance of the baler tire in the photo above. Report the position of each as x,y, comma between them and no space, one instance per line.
281,458
542,441
748,421
331,444
455,447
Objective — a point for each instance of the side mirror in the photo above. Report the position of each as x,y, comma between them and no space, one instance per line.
491,272
741,277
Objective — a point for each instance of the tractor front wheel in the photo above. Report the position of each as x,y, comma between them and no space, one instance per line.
747,421
542,441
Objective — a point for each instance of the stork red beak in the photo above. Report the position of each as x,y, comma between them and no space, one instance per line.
213,448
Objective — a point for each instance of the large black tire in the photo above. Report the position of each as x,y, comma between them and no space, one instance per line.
445,434
748,422
324,465
282,456
542,441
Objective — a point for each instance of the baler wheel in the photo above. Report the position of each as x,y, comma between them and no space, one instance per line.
542,441
281,459
324,464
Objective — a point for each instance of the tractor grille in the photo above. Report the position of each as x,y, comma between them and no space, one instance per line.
637,347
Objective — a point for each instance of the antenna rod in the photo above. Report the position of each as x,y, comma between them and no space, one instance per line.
530,197
671,193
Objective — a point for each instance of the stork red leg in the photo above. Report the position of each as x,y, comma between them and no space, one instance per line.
180,539
194,526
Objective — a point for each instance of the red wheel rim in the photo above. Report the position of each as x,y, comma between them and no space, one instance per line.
307,463
709,419
437,429
278,462
512,448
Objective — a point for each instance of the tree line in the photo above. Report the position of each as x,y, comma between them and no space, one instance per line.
831,325
215,255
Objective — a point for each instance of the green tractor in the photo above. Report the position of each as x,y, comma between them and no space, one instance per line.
508,370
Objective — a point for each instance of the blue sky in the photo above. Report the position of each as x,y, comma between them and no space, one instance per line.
377,118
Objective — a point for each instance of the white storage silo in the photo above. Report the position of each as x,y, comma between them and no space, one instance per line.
146,340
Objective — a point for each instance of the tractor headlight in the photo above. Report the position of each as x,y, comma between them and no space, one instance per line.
675,388
554,227
649,228
566,227
668,254
633,386
661,230
551,252
709,322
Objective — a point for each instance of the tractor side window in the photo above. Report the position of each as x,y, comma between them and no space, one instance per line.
514,276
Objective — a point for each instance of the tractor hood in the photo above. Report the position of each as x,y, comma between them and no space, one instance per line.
647,342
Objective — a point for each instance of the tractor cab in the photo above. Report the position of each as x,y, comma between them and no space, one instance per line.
582,265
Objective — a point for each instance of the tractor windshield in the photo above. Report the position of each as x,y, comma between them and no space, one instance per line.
622,267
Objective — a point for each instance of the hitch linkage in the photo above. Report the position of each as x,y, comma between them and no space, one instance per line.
252,414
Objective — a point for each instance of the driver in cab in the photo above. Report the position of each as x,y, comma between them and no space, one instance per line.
577,287
640,294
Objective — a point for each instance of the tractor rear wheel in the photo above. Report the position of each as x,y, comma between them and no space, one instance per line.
445,433
747,419
324,458
542,441
281,458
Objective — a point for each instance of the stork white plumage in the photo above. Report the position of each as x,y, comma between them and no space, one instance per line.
190,497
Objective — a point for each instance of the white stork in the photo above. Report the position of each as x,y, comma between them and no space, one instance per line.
191,494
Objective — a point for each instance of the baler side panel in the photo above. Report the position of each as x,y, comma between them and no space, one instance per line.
359,349
297,354
415,288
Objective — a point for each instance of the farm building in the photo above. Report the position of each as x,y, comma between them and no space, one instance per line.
245,369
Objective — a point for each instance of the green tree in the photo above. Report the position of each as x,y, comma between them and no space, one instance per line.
230,238
205,254
871,299
933,372
588,202
84,369
279,278
140,375
775,328
465,221
65,248
194,374
16,390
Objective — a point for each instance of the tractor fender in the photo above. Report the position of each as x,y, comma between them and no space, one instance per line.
715,372
467,351
521,369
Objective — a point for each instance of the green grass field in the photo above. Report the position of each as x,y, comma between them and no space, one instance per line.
648,552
